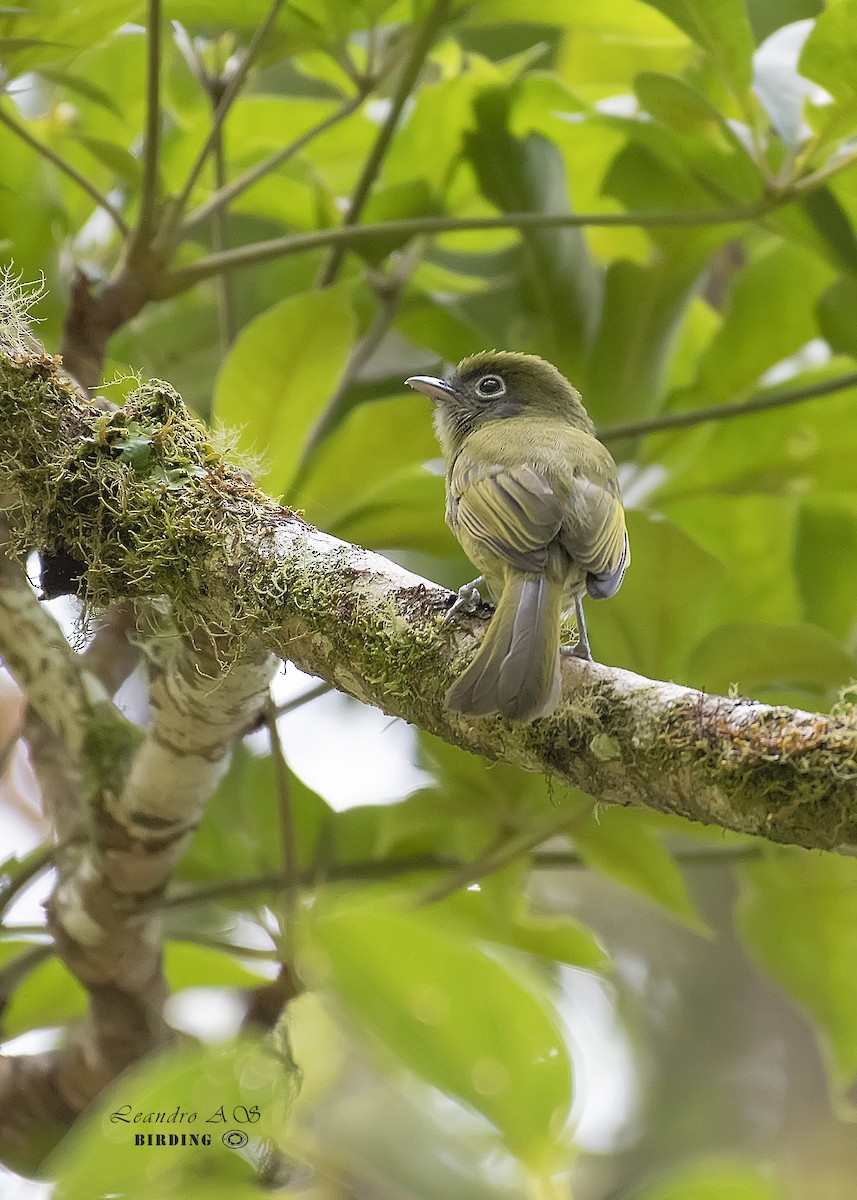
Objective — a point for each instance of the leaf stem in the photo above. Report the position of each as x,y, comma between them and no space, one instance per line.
152,143
236,82
411,69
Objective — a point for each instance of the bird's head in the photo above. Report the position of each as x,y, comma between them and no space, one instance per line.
496,384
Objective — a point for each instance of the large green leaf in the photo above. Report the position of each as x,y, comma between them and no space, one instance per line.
471,1023
284,367
560,290
830,52
754,538
621,843
750,340
713,1180
206,1090
758,657
798,917
369,483
722,29
825,551
798,449
663,607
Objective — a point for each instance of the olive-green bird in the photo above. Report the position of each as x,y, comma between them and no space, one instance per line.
533,498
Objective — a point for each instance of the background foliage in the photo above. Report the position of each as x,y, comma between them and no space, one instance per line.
606,1025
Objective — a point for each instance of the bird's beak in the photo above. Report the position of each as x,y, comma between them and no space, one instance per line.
436,389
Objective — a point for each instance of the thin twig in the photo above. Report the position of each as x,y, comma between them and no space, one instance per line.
391,868
220,242
175,282
761,402
152,143
290,878
228,192
413,65
230,93
68,170
389,291
32,865
313,693
502,852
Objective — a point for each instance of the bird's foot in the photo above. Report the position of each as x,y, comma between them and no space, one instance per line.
468,598
580,649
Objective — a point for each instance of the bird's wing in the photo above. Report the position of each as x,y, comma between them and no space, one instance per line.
512,510
593,532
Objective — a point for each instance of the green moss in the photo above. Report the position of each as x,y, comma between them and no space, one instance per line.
131,492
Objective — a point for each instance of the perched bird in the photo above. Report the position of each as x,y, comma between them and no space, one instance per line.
533,498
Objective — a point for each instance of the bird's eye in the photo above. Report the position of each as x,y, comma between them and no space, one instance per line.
490,385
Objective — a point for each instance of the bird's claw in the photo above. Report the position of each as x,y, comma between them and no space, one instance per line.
578,650
468,598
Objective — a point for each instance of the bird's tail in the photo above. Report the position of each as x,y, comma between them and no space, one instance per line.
515,672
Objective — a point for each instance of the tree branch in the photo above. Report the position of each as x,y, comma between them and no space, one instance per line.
174,282
377,632
413,65
761,402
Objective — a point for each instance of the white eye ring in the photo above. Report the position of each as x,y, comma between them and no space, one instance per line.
491,386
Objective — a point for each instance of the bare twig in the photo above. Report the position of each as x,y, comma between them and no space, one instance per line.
503,851
721,412
152,142
288,845
236,82
389,292
179,280
422,43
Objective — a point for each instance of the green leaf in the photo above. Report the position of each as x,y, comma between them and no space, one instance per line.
715,1180
116,158
826,540
722,29
749,341
498,912
82,86
832,223
560,288
830,52
760,657
620,843
663,607
369,484
49,995
471,1023
671,100
188,965
283,369
643,309
797,914
206,1090
753,537
798,449
835,312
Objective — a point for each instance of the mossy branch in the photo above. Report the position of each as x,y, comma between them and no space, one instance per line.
146,502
